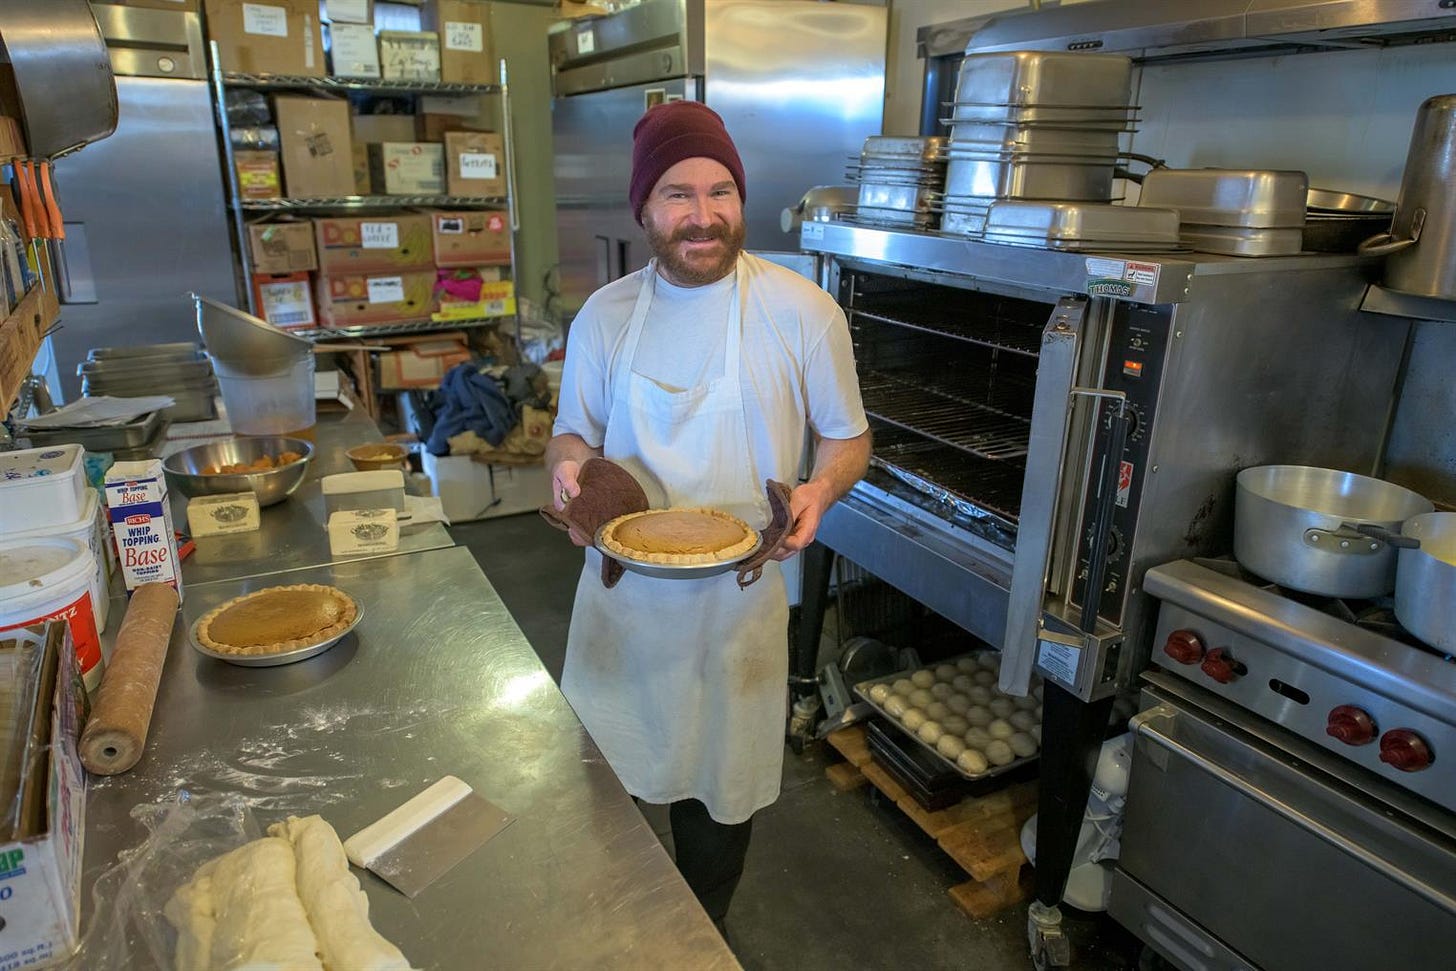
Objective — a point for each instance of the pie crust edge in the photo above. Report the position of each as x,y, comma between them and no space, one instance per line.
728,554
334,630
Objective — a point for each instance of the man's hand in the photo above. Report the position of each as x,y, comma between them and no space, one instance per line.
564,456
564,486
807,504
838,464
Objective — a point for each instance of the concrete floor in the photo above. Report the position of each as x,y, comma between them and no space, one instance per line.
833,880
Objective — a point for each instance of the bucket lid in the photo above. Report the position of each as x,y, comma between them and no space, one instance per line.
243,344
31,566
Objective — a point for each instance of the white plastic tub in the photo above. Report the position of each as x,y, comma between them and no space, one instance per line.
90,530
50,579
41,487
277,404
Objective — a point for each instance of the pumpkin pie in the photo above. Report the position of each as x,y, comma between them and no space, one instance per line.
679,537
278,619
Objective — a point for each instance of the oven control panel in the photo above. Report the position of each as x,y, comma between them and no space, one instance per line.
1137,350
1382,733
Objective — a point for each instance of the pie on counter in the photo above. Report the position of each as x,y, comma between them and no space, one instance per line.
679,537
277,619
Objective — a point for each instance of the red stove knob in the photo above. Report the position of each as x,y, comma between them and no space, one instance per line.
1405,750
1219,666
1351,725
1184,646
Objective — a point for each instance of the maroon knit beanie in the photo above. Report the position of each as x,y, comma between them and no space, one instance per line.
669,133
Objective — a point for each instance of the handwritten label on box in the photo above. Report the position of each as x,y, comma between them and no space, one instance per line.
379,235
477,165
386,289
262,19
464,37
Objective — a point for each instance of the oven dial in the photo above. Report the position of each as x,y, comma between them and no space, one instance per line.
1219,665
1184,646
1351,725
1405,750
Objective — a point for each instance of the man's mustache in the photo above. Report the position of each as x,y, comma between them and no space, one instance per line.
700,233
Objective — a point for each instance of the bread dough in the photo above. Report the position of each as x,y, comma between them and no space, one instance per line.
1036,733
954,724
958,704
242,910
984,677
1000,728
989,661
978,716
1036,691
976,737
1000,706
945,672
930,732
936,711
1022,745
966,665
941,691
1023,720
903,687
972,762
896,705
999,752
920,697
922,679
1025,702
962,682
913,718
879,692
950,746
1037,712
337,909
979,694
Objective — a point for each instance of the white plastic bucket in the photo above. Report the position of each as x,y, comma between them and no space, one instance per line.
49,579
41,487
90,530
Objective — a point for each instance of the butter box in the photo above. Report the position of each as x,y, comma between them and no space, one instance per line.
356,531
216,515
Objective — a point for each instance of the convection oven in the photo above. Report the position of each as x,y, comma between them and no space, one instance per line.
1049,425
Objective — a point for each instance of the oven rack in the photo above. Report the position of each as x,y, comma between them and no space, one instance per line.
945,414
974,486
998,331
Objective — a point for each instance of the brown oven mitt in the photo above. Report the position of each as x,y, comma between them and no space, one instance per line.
779,523
607,491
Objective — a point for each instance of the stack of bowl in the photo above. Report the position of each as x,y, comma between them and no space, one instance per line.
900,181
264,372
1033,125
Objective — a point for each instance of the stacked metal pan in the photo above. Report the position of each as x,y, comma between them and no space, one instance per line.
1233,212
1033,125
901,181
180,370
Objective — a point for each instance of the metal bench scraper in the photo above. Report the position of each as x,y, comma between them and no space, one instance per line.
419,842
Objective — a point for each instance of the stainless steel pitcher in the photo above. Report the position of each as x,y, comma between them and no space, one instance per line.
1421,244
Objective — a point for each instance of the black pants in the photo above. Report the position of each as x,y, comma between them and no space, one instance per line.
709,854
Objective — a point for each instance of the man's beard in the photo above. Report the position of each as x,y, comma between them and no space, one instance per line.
696,273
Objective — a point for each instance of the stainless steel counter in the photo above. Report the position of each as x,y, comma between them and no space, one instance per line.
294,536
437,679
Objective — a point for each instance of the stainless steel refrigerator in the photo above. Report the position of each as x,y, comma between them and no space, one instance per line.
144,209
799,84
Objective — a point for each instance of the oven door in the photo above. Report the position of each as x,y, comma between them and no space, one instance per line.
1239,852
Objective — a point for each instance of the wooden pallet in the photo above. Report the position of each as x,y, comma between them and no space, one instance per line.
981,834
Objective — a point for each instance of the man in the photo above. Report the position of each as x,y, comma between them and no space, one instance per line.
699,375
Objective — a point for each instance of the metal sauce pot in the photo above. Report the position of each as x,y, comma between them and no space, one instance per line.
1425,580
1421,243
1301,527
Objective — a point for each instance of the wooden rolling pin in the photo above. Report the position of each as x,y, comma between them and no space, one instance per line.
116,732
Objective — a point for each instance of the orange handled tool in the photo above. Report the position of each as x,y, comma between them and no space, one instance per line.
52,208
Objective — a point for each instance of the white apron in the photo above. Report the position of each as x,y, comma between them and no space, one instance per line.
683,683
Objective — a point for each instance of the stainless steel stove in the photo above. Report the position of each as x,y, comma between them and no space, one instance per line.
1293,800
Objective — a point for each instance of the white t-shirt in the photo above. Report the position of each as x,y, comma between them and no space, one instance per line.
798,363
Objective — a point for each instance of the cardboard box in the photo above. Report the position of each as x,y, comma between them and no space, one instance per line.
369,129
474,238
421,363
284,300
141,523
351,245
189,6
258,176
267,36
570,9
282,247
221,515
360,156
349,11
489,297
463,27
41,874
354,51
408,55
475,164
407,168
432,127
356,532
379,298
317,146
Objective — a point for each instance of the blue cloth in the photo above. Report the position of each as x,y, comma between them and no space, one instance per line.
470,401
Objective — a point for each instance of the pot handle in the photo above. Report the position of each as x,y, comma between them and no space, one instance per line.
1385,536
1383,245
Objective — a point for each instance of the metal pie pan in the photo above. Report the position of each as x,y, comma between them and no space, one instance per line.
282,657
669,571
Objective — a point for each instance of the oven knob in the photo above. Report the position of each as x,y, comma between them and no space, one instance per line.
1221,667
1184,646
1405,750
1351,725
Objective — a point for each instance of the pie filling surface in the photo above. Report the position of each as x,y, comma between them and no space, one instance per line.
679,536
277,619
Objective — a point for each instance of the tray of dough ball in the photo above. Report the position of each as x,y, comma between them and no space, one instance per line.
954,710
